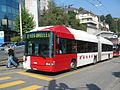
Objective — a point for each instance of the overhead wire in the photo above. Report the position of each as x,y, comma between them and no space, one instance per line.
95,6
103,6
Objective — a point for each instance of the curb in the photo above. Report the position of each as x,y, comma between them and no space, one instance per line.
4,68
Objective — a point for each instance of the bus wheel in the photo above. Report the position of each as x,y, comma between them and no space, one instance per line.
95,60
73,65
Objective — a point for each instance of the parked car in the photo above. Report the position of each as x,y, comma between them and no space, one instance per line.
19,48
4,45
1,47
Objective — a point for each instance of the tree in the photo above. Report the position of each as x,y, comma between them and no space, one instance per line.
53,16
116,25
109,21
102,18
80,9
59,16
27,21
72,21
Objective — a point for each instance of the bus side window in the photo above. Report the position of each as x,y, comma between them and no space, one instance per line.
31,48
59,49
74,47
58,46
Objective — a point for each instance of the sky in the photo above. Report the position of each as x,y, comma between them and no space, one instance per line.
98,7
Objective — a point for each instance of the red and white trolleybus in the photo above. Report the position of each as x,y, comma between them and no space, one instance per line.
57,48
116,50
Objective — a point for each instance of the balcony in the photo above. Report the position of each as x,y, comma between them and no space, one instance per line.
88,21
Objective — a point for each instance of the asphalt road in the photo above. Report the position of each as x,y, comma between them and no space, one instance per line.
102,76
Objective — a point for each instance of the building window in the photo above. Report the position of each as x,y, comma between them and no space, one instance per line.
9,9
13,11
10,23
17,1
3,8
4,21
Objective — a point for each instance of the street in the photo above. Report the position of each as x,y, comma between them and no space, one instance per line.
102,76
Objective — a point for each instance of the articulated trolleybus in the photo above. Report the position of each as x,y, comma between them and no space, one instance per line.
58,48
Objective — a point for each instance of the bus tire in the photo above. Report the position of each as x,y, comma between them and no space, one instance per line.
73,65
95,60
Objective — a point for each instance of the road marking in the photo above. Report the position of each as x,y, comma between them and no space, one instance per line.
33,87
68,74
8,73
77,71
4,78
36,76
9,84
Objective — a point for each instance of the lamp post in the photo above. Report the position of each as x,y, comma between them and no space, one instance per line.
99,36
38,13
116,27
98,17
21,35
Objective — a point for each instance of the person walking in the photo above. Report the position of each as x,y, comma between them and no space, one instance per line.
10,58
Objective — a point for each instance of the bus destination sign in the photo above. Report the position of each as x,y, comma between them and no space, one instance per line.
38,35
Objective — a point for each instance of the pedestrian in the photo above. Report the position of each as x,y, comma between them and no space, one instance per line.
10,58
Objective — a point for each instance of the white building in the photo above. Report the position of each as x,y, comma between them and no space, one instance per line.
93,23
36,7
43,5
88,18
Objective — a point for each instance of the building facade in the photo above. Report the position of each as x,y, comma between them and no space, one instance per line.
36,7
43,5
92,21
8,11
89,19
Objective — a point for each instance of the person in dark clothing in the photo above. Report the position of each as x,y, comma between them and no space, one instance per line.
10,58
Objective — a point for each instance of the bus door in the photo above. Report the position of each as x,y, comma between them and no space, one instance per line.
64,52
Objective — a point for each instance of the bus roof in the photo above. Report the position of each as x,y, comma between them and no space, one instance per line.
82,35
40,28
67,32
105,41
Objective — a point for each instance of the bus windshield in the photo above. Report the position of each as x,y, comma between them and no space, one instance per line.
39,44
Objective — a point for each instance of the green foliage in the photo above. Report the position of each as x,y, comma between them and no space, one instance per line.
114,23
80,9
102,18
83,27
118,25
15,39
53,16
27,21
59,16
108,19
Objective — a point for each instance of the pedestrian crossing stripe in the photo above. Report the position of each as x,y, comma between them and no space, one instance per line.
36,76
9,84
4,78
33,87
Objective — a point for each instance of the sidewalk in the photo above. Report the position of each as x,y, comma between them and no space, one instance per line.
4,68
3,64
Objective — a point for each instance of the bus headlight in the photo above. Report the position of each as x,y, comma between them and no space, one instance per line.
47,64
